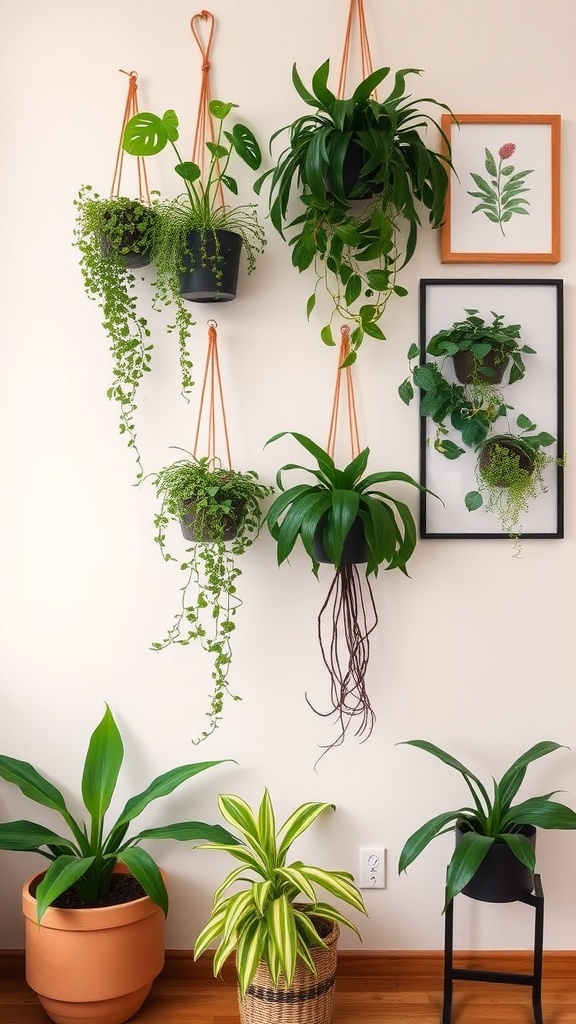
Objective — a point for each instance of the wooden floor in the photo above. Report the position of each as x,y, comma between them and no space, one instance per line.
371,989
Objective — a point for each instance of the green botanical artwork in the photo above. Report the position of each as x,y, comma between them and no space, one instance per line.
504,194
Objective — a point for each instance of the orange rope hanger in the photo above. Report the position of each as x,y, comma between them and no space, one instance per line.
131,108
204,122
356,6
213,383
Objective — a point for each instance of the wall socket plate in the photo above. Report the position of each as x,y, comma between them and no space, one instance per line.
372,867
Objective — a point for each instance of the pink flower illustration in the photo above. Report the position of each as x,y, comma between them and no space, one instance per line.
503,193
507,150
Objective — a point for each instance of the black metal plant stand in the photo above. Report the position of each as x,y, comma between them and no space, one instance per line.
534,980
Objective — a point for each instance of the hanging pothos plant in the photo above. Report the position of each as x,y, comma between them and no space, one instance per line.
219,513
345,518
361,169
115,237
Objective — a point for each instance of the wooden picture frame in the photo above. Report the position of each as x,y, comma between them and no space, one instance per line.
503,202
537,306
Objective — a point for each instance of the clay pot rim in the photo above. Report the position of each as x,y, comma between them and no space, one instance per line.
87,918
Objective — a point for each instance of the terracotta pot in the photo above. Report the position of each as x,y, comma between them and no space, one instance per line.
93,966
309,998
501,877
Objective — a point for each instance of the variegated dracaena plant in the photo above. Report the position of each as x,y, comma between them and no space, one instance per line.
272,917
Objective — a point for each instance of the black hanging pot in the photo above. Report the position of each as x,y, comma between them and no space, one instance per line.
211,262
501,877
526,458
468,368
355,550
134,245
194,528
354,186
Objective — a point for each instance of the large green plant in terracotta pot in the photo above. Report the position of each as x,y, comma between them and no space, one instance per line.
95,917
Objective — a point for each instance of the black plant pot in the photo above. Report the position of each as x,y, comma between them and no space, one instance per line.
501,877
354,160
134,251
526,458
355,550
211,263
194,529
466,367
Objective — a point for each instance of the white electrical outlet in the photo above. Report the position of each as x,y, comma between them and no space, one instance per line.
372,873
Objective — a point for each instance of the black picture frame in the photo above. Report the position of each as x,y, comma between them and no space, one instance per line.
537,305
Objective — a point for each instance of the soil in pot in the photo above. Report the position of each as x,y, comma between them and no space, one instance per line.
519,457
211,264
355,550
501,877
468,369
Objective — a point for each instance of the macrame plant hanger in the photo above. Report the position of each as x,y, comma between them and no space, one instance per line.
356,7
204,131
208,410
347,617
130,108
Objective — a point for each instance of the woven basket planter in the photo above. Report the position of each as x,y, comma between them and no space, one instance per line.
308,1000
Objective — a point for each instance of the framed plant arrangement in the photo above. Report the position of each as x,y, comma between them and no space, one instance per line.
488,373
503,202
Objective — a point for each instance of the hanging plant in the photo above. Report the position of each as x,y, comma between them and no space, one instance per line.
219,512
193,229
360,168
509,471
344,518
115,237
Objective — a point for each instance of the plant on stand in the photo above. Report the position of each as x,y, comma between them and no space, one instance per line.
283,935
360,169
345,518
115,237
491,823
219,512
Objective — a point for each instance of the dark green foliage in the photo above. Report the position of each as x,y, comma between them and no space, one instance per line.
334,502
357,248
86,859
106,232
221,500
496,818
482,339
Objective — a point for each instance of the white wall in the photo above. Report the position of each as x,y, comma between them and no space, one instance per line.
473,652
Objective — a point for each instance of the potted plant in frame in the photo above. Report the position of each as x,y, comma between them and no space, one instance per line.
283,936
494,857
345,518
115,237
199,237
509,470
219,513
95,918
360,169
482,351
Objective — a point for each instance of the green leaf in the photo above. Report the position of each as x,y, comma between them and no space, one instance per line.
216,151
32,784
101,769
490,163
512,779
249,953
424,835
187,831
373,331
61,874
147,872
406,391
27,835
473,500
162,786
448,449
326,335
378,279
471,850
353,289
413,351
220,110
541,812
283,935
146,134
310,305
298,822
246,145
524,423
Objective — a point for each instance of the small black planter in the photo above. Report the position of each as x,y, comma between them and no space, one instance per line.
466,367
135,244
526,458
355,550
192,530
211,263
501,877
